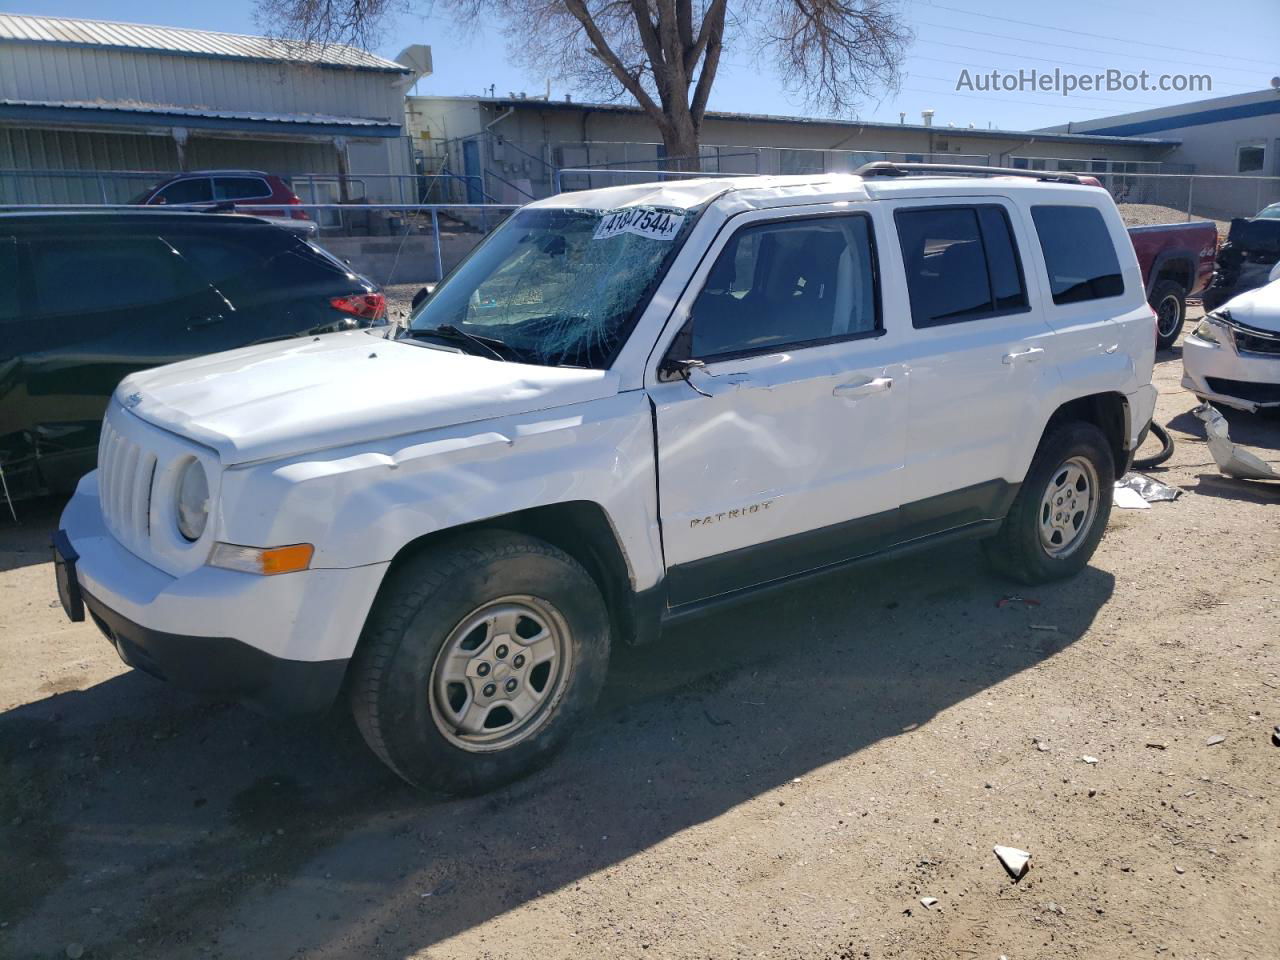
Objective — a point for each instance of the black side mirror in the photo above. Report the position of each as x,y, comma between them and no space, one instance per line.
418,297
678,363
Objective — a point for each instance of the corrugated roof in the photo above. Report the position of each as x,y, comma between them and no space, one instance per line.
24,28
168,110
503,103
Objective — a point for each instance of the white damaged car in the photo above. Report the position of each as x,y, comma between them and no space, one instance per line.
627,407
1233,357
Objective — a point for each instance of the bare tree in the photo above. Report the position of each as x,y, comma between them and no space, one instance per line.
664,54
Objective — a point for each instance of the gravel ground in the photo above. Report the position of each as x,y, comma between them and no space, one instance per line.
1150,214
788,779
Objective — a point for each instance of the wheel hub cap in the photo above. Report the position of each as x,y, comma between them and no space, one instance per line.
1068,508
500,670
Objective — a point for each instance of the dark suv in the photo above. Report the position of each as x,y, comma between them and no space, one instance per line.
86,298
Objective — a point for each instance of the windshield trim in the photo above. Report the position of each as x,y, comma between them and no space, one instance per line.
627,327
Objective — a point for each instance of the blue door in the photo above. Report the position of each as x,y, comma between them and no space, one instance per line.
471,168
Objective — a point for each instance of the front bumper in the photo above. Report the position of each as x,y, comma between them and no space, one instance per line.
1222,376
280,642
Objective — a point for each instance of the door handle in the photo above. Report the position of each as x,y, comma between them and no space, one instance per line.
1031,355
862,388
194,323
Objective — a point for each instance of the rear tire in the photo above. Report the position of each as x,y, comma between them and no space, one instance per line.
478,660
1061,509
1169,301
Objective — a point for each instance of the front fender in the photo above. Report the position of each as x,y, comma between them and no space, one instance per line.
361,505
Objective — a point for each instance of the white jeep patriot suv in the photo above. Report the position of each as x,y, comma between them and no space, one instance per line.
625,407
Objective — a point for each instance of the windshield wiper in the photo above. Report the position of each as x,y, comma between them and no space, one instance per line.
447,331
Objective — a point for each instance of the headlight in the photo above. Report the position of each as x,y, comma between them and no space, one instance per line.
1211,330
193,500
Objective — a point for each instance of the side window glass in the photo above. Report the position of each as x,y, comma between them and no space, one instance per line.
196,190
961,264
1078,253
240,188
8,279
788,283
1007,288
107,273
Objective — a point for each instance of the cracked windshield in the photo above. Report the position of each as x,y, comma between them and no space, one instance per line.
554,287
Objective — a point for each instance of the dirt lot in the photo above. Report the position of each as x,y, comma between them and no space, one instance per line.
785,780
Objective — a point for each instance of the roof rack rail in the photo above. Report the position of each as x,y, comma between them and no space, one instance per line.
887,168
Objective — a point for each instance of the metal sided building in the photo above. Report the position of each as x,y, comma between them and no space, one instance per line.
92,95
1233,142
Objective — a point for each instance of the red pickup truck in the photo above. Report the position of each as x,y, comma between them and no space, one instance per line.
1177,262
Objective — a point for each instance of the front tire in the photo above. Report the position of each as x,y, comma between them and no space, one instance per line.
1060,511
479,659
1169,301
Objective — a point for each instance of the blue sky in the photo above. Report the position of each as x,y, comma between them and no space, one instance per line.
1236,42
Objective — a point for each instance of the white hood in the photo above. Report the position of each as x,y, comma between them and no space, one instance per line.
1259,308
296,396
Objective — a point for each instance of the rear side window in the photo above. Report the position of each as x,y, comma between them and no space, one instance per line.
107,273
254,266
789,283
220,260
961,263
188,191
240,188
1078,253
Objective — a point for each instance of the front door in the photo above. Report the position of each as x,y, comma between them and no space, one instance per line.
783,453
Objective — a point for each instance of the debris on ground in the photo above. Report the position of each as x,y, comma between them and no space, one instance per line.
1275,735
1152,491
1231,459
1157,745
1213,741
1046,627
1006,601
1089,760
928,901
1041,745
1126,499
1013,860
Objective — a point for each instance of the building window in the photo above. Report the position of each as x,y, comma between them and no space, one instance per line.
1251,158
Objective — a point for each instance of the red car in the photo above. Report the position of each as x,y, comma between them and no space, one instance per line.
249,187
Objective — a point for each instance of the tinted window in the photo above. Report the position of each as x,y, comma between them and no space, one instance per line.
961,264
240,188
107,273
1078,254
1005,268
249,266
788,283
188,191
8,279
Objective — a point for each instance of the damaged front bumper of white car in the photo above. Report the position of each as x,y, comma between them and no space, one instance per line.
1232,364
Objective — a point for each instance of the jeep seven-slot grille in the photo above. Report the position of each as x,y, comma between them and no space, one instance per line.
125,475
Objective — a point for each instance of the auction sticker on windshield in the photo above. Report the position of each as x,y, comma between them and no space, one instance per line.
653,224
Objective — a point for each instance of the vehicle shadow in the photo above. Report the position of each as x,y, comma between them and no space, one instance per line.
191,826
26,542
1231,488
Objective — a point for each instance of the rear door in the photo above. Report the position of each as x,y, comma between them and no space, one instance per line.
784,452
977,348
